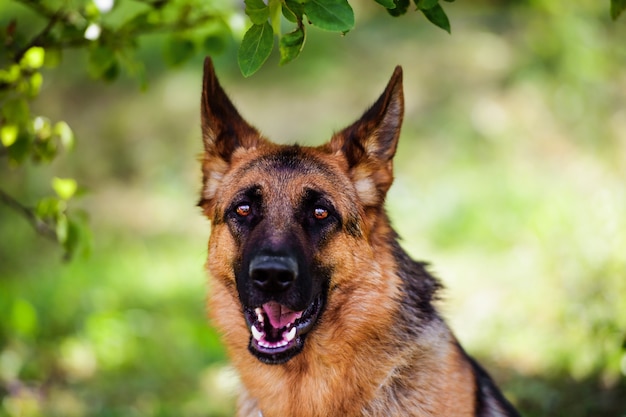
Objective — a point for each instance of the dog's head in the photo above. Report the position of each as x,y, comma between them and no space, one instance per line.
290,224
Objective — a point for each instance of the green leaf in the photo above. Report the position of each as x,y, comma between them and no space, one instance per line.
438,17
293,11
275,12
21,149
23,317
142,21
64,132
42,128
426,4
255,48
291,45
11,75
178,49
64,187
62,228
401,7
91,11
34,84
101,59
16,111
8,134
617,7
44,151
79,237
112,72
72,238
389,4
33,58
49,208
257,11
333,15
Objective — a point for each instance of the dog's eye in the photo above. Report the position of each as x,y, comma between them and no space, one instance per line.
243,210
320,213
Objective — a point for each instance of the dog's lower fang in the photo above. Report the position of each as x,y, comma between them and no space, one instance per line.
287,337
290,335
258,335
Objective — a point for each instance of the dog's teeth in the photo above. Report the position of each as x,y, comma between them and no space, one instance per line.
256,333
259,314
291,334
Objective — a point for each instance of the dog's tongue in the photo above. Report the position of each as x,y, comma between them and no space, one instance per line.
279,315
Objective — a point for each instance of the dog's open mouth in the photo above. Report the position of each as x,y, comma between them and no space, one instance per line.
277,332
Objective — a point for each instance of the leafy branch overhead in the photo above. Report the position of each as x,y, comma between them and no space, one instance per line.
35,33
330,15
107,31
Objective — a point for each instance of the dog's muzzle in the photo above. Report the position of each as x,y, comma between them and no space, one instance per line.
278,330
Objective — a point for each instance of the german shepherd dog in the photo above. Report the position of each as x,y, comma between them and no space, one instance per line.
322,312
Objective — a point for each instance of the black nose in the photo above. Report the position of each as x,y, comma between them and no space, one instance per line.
273,273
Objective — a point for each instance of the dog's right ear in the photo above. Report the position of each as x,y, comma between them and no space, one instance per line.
223,132
369,144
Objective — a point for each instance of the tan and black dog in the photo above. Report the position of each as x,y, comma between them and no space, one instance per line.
322,312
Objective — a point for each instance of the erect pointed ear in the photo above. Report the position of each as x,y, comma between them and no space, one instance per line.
369,144
223,132
223,129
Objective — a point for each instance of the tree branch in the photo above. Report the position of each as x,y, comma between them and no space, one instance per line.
40,226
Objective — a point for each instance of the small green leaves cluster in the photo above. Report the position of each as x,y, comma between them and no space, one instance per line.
434,13
107,31
431,9
72,232
267,16
25,136
22,134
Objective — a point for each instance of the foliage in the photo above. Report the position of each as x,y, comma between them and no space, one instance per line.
330,15
109,32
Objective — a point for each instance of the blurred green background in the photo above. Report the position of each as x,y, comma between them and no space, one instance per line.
510,180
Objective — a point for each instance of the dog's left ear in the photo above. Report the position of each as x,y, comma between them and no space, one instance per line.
223,129
223,132
370,143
